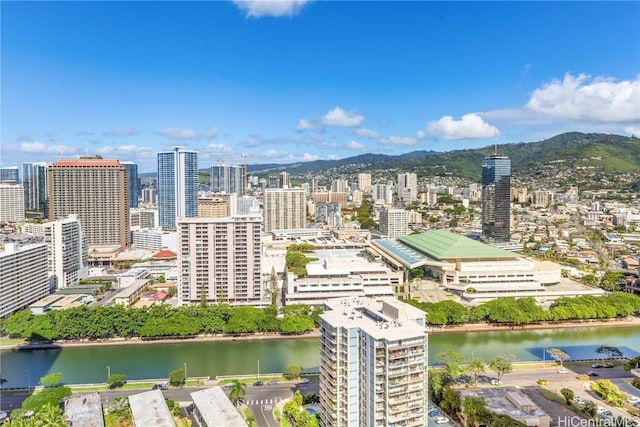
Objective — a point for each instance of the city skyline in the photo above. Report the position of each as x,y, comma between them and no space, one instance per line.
295,81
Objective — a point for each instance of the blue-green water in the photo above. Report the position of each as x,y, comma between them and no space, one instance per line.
140,361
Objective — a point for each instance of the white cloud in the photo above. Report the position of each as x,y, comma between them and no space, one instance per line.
304,124
42,148
122,132
272,154
307,157
357,146
633,130
333,157
218,148
342,118
367,133
398,140
187,133
470,126
584,98
258,8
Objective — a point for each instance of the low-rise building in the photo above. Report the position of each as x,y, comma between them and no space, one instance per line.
339,273
84,410
212,408
150,409
511,402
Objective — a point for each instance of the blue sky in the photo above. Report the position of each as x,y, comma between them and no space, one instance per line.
286,81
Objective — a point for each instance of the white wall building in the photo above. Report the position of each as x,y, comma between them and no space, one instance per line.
394,222
219,260
373,364
11,202
155,239
340,273
67,250
23,276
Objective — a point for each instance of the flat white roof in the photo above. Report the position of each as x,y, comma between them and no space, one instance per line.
381,318
216,409
150,409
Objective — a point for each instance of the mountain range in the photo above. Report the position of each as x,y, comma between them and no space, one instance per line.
610,153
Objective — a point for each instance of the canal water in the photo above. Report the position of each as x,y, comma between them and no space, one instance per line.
140,361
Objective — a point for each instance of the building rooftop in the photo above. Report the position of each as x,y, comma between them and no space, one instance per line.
84,410
507,401
408,256
443,244
150,409
88,163
216,409
382,318
165,254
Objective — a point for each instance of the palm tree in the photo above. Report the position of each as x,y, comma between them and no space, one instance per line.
237,391
50,416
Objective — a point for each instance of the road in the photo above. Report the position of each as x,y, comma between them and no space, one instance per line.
262,399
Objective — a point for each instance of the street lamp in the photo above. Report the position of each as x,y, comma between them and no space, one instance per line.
108,372
185,372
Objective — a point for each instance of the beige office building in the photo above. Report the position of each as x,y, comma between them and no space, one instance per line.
97,191
219,260
284,208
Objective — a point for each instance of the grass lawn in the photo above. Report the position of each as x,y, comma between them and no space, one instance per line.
250,381
6,341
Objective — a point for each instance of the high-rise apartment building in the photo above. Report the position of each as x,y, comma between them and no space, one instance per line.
95,190
496,198
394,222
339,186
382,193
134,183
364,182
34,182
219,260
23,276
67,250
227,179
11,202
407,187
9,173
177,185
284,208
284,180
373,363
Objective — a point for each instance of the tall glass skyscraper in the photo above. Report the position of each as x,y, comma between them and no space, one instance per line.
34,182
177,186
9,173
496,198
227,179
134,183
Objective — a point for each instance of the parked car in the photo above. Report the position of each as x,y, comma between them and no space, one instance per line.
563,370
596,365
258,383
272,382
441,420
496,382
303,381
592,373
608,365
435,413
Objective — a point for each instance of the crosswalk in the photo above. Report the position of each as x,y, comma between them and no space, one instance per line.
256,402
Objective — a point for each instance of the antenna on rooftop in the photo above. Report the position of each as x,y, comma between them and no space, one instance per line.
495,141
246,173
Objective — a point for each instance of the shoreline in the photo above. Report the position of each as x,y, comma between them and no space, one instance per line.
470,327
488,327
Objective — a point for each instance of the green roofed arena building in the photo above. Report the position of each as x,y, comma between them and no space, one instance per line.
473,270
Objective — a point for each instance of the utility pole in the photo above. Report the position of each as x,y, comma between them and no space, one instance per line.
185,372
108,372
